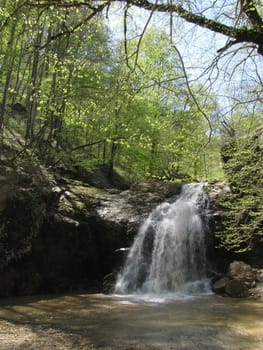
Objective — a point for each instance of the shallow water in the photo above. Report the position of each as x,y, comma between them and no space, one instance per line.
96,321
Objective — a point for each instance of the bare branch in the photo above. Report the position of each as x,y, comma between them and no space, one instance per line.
193,95
67,31
242,34
88,145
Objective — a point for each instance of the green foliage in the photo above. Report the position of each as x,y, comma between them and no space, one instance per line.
243,164
89,104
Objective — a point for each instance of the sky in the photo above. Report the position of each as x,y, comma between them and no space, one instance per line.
228,78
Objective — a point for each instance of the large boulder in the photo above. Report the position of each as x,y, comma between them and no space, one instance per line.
219,286
241,271
260,276
236,288
239,281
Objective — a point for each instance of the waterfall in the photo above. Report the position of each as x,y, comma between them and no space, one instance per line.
169,252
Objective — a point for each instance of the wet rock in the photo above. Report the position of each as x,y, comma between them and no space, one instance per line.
219,286
260,276
8,282
243,272
236,288
240,281
217,189
257,292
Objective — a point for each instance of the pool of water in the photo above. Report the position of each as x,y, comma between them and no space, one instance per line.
97,321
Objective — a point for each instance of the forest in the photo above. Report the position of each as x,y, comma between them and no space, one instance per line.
164,90
131,174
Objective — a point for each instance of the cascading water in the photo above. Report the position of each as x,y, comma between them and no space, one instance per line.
169,251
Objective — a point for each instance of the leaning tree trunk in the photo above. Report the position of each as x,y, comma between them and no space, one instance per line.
8,63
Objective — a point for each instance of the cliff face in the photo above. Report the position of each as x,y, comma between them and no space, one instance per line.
24,203
59,234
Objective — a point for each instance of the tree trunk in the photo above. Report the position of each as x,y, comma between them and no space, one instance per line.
8,63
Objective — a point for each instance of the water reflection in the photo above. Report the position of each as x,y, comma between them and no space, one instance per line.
103,322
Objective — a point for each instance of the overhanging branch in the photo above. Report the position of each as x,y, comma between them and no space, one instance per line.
70,31
242,34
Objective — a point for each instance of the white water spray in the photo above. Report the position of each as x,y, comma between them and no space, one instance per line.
169,252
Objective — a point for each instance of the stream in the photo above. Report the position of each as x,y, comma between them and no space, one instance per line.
163,298
97,321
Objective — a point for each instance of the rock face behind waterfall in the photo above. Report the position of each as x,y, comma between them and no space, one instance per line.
59,234
169,252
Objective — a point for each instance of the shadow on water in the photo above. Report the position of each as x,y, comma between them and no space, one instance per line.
96,321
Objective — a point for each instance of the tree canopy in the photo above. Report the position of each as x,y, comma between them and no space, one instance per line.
88,102
240,20
59,63
79,95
